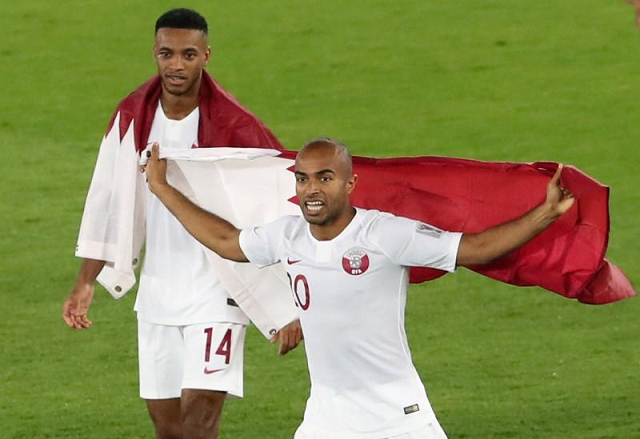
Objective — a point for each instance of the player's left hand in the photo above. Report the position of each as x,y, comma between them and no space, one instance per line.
156,169
559,199
290,337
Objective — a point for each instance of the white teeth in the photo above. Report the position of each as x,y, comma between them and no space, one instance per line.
314,205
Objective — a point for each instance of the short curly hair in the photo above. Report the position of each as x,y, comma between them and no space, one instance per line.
183,18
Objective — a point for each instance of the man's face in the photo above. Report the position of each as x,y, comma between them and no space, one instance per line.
180,55
323,184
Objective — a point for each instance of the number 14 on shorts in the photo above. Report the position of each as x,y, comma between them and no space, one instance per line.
223,348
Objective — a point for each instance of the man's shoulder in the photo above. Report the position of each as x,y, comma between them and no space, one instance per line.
379,226
370,217
134,103
284,228
290,223
137,97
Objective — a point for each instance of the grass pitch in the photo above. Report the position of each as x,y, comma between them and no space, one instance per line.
491,80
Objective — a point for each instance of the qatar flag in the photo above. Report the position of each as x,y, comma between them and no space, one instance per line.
452,194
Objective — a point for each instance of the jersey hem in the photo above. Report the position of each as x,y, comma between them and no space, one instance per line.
212,319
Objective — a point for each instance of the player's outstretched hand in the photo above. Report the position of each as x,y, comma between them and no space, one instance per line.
76,307
290,337
156,169
559,200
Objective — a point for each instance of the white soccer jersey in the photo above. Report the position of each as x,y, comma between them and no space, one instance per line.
351,294
177,284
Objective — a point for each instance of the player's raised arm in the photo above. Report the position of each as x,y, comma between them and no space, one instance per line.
212,231
484,247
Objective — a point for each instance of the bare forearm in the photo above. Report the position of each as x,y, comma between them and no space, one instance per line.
212,231
498,241
89,271
493,243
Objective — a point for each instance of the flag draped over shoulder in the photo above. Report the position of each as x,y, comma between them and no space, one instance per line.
113,221
470,196
223,120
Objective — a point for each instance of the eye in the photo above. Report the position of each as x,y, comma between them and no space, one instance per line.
300,179
325,179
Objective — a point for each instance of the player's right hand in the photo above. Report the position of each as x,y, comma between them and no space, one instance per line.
76,307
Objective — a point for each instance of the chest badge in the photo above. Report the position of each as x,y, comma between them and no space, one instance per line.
355,261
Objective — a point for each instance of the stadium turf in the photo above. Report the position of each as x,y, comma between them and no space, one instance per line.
491,79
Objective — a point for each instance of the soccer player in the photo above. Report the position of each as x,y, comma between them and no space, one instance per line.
348,270
190,333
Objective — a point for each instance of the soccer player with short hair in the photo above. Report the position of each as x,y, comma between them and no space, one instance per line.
190,333
348,270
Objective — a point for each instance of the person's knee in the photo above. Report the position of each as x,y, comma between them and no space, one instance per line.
168,430
200,412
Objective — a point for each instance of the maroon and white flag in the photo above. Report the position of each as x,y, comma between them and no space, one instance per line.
452,194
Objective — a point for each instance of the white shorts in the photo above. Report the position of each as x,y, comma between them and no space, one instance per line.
429,431
205,356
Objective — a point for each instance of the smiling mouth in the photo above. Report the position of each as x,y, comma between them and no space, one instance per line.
314,206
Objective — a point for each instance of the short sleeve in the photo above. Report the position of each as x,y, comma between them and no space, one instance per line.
415,244
261,245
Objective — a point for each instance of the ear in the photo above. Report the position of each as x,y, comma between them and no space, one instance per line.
351,183
207,55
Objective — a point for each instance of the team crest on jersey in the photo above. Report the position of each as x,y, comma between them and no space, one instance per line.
355,261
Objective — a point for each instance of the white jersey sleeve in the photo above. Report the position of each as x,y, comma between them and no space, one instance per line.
415,244
261,245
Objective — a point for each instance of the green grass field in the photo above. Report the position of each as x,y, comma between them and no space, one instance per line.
485,79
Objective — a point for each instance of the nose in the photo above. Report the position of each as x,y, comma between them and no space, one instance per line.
177,63
313,187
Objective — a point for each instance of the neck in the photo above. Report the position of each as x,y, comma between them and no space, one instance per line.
326,232
178,107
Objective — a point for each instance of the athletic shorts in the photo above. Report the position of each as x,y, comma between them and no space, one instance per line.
205,356
429,431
